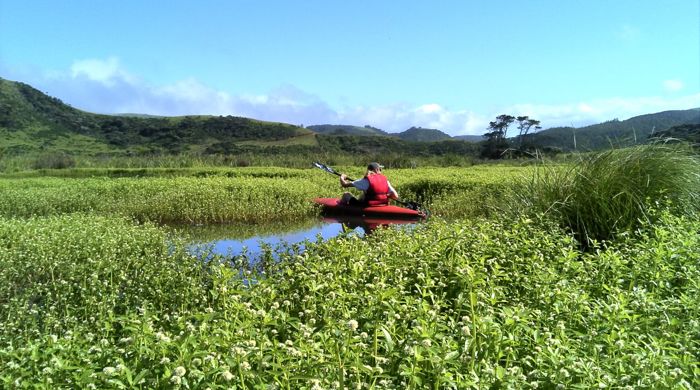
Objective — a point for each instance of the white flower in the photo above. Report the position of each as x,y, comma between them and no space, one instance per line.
245,366
180,371
164,360
109,371
316,385
176,380
162,337
352,324
227,376
427,343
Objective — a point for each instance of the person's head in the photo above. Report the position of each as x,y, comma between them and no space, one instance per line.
374,167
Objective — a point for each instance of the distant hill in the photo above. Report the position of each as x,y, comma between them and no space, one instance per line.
346,130
613,133
31,121
419,134
414,134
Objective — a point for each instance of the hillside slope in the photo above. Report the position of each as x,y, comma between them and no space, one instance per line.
346,130
419,134
31,121
614,133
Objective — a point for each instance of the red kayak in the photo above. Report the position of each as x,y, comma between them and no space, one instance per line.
332,206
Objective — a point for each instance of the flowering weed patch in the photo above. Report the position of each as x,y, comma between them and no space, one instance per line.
95,302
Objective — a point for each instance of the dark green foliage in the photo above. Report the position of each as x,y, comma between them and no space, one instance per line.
392,145
54,161
470,138
689,133
496,142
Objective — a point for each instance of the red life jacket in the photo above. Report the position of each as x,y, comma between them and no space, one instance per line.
378,190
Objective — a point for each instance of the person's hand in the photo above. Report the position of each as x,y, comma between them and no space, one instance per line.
343,177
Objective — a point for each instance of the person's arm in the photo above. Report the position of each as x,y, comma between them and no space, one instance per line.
392,192
344,182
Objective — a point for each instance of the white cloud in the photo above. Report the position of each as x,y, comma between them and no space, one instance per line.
673,85
399,117
107,71
430,108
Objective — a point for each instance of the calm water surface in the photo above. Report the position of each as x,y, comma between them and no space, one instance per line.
233,240
238,239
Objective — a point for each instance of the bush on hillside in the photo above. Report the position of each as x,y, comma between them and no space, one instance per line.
54,161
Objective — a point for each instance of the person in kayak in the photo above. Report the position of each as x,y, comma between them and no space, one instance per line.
375,187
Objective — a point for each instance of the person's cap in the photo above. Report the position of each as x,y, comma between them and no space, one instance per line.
374,166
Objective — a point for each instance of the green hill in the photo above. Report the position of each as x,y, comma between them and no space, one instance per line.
419,134
31,121
346,130
614,133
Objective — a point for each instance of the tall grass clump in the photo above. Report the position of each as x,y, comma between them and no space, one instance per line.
613,191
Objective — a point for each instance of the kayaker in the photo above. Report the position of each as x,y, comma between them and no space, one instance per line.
375,187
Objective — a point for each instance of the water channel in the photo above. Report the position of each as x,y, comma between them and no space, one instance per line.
251,240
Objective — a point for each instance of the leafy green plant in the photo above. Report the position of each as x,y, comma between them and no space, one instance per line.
95,302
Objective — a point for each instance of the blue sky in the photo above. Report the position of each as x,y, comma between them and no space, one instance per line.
451,65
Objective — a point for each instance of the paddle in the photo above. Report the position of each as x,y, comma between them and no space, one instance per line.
411,205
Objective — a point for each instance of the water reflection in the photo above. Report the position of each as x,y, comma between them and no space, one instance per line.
253,240
235,240
367,225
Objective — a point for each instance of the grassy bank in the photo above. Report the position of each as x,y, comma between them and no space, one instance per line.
251,195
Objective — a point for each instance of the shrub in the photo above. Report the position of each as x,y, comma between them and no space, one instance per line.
613,191
54,161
